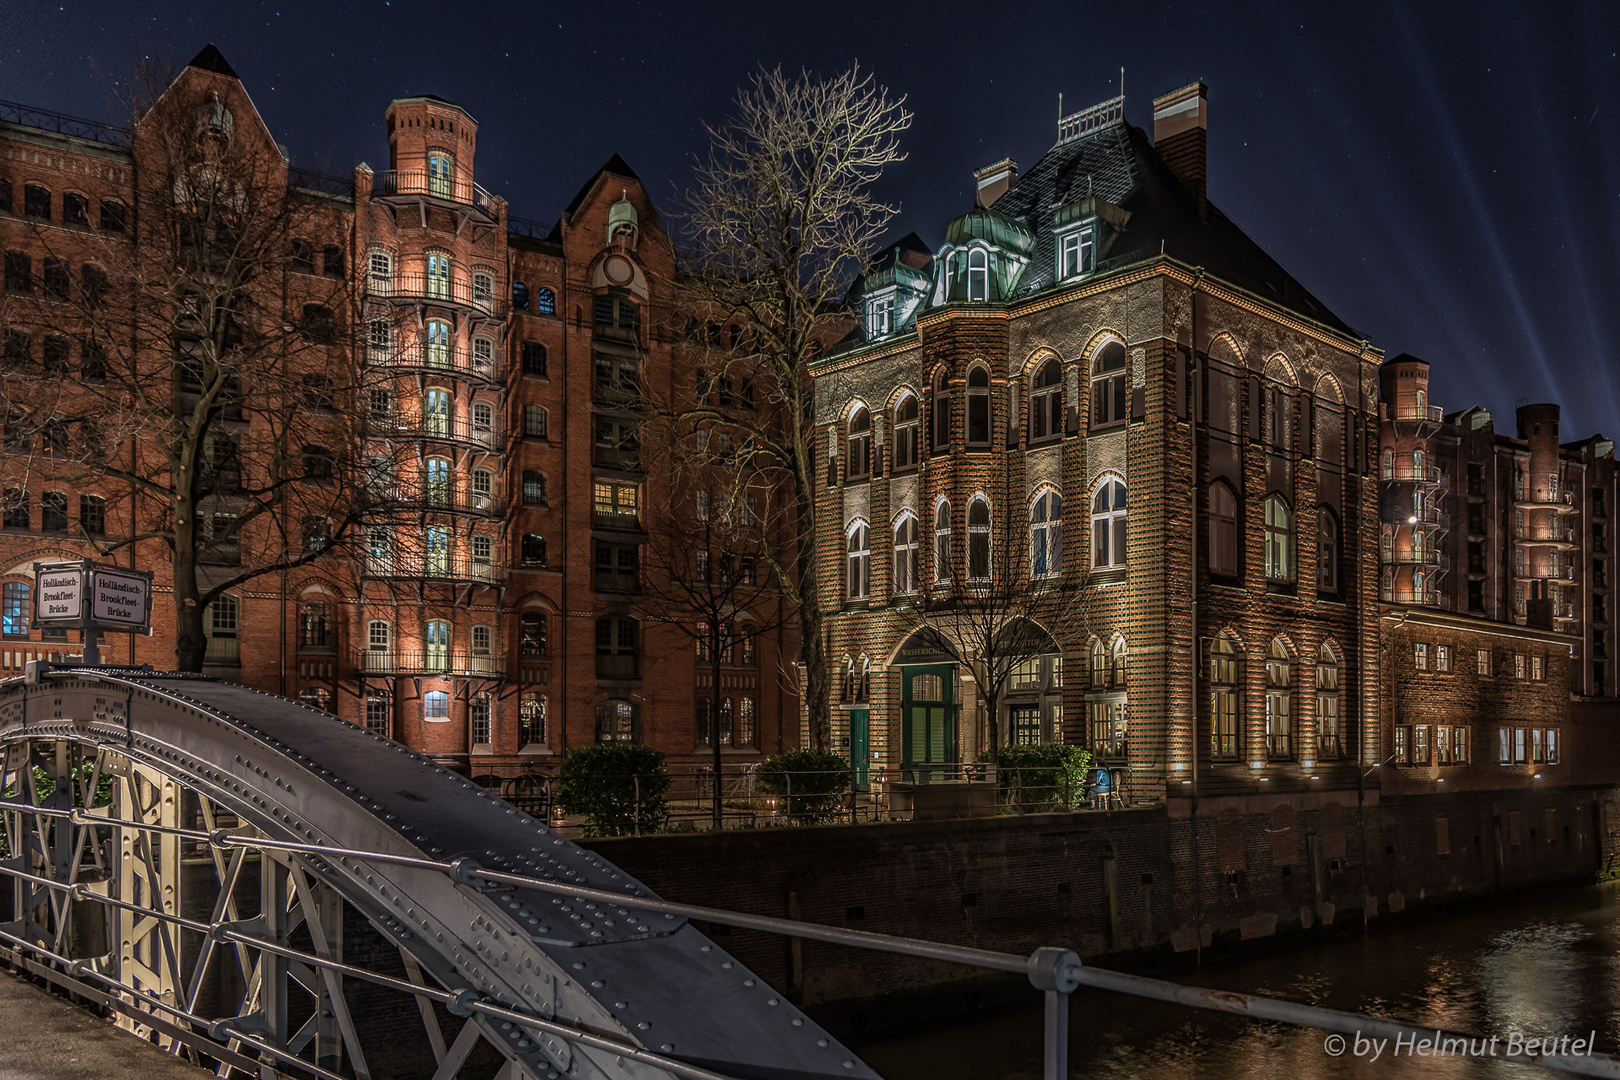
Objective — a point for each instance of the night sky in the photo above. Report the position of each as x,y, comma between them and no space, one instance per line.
1444,176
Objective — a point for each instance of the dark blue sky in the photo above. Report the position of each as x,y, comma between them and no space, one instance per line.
1445,176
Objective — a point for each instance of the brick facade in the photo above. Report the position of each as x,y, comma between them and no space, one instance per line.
510,389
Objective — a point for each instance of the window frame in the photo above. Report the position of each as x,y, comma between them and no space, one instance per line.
1046,403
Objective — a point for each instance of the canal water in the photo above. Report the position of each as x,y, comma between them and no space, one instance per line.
1545,966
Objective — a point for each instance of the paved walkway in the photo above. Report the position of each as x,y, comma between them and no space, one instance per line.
44,1037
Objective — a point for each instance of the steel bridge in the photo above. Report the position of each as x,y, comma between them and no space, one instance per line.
255,884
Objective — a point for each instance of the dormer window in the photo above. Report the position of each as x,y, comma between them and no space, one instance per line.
880,316
1077,253
978,276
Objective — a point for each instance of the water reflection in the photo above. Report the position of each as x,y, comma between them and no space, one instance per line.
1545,967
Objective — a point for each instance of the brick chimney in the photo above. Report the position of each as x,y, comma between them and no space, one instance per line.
994,180
1180,134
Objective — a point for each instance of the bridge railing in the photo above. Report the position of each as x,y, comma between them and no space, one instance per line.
1056,972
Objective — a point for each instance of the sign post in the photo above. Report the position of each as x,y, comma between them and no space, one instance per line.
94,599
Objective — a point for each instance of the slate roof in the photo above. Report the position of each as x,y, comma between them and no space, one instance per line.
1119,164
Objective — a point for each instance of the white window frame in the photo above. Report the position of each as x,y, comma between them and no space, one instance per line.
1108,524
978,275
907,546
880,314
1077,252
858,558
942,541
1046,534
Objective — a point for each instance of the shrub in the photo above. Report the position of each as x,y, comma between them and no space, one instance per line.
618,788
1038,779
818,781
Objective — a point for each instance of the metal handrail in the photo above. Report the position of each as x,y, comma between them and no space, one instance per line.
396,662
418,183
1057,972
451,566
63,124
459,362
420,287
413,426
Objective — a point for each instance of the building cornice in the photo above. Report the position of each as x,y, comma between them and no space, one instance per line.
1402,615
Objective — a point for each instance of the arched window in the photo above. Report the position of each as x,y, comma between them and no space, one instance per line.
1108,524
1046,402
483,556
858,459
978,275
520,296
379,552
482,641
905,554
534,488
436,481
438,277
16,609
439,174
1329,735
942,414
1417,464
480,728
1279,700
743,733
1223,700
618,721
483,286
978,407
1119,663
1279,540
532,718
1388,461
978,526
534,550
436,646
315,625
75,210
1102,674
859,551
436,548
536,425
545,301
37,202
532,635
379,713
436,414
482,483
222,625
906,425
942,541
112,215
380,272
1046,535
1327,550
379,646
1386,544
436,706
1109,381
483,355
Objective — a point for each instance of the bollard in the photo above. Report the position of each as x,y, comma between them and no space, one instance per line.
1056,971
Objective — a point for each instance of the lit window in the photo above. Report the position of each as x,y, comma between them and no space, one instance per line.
1046,535
1077,253
1279,530
1108,385
1108,525
905,555
1046,402
1223,710
16,610
436,706
545,301
439,175
436,638
532,718
978,276
858,554
1329,735
478,719
942,541
1279,698
1420,655
438,277
879,315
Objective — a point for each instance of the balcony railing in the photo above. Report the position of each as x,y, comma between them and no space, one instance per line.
1547,536
1412,474
412,184
416,426
1550,572
428,289
1545,490
1428,414
1429,557
62,124
452,566
459,362
446,498
428,662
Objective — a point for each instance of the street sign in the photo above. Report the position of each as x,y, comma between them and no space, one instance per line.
59,590
121,600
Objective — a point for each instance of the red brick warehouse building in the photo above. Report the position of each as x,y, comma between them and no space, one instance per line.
483,374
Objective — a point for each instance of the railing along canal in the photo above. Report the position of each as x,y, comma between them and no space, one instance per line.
1055,971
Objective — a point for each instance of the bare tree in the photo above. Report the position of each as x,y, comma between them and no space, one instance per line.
708,567
1004,600
216,398
779,220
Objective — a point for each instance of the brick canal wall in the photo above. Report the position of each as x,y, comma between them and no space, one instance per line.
1123,888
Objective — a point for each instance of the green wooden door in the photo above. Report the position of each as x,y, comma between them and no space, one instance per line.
928,721
859,756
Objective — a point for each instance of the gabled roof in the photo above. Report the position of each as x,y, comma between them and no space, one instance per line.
211,59
616,166
1118,163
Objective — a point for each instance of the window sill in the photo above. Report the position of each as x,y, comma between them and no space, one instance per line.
1108,428
537,750
1329,597
1110,575
902,470
1281,588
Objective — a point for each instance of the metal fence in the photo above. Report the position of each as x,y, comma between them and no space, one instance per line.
681,799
